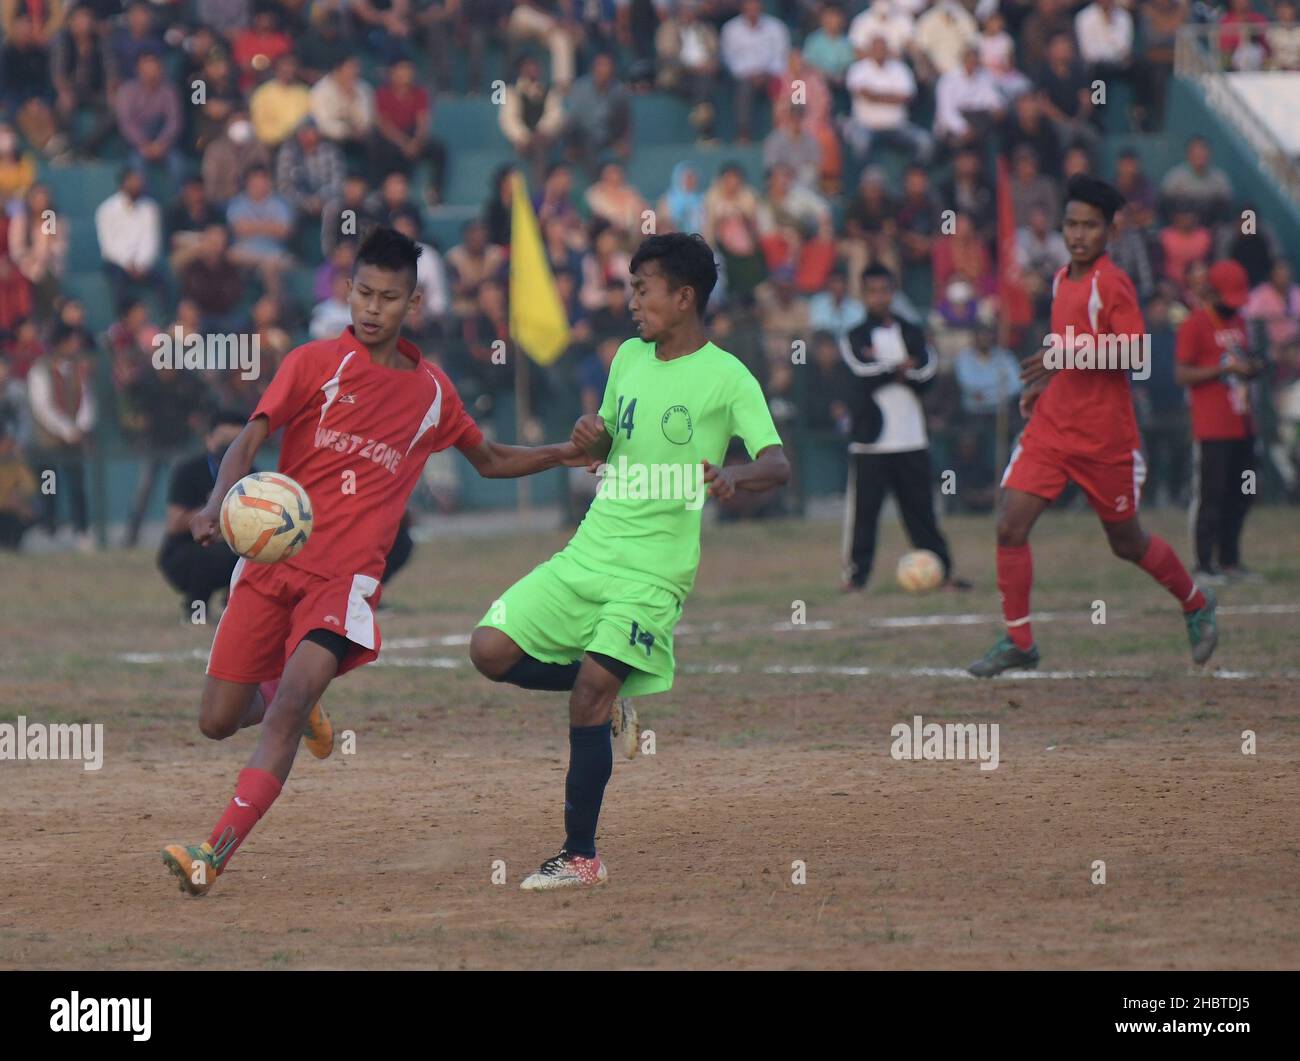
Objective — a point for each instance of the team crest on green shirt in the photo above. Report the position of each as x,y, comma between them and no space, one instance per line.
677,425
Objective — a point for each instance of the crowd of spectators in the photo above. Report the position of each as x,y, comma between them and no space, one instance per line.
272,133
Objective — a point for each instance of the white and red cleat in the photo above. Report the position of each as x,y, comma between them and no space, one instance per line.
566,871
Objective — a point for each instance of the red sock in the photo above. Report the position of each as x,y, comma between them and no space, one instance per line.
254,794
1015,577
1162,564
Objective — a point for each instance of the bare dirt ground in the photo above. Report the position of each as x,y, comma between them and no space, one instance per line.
774,747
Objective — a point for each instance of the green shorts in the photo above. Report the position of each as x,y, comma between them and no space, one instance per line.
561,609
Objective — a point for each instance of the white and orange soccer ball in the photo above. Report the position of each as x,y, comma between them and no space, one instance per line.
920,571
266,517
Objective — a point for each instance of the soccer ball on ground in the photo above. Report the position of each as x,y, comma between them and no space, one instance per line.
920,571
266,517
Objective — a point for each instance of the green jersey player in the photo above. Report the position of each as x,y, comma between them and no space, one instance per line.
597,618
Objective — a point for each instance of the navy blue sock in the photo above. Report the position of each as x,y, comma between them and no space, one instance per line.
591,761
530,673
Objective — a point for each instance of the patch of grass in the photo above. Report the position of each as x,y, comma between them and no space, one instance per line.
744,737
417,935
665,939
189,954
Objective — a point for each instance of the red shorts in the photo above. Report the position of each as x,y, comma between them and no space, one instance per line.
273,607
1113,486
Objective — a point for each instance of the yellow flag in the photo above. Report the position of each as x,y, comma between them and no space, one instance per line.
538,322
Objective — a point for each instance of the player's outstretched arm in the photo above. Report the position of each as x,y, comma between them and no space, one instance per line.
495,460
770,468
1034,378
234,466
591,436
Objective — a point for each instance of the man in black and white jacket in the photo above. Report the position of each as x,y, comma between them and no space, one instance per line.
892,364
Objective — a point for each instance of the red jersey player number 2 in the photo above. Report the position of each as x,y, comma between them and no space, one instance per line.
1083,426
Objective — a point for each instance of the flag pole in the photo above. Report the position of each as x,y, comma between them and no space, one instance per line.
523,495
539,327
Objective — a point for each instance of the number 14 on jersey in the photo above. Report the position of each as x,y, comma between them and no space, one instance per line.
623,418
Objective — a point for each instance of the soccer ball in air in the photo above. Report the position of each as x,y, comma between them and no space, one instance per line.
266,517
920,571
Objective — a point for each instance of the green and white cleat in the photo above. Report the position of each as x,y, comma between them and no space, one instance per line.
624,727
1203,628
1005,655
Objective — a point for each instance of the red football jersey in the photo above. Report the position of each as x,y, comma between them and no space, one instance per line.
1088,412
342,413
1220,407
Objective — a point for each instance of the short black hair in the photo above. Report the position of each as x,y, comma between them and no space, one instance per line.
222,417
686,261
386,248
1095,192
876,271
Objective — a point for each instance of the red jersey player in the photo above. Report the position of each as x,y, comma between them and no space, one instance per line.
361,415
1082,428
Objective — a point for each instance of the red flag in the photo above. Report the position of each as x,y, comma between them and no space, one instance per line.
1016,310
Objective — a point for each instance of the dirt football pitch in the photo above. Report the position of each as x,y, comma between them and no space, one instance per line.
772,765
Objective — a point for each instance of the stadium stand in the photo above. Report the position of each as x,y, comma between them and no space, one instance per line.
781,207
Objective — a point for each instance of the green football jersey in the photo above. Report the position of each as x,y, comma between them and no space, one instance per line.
665,419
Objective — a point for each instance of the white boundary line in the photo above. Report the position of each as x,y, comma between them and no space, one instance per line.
454,662
884,622
869,623
961,673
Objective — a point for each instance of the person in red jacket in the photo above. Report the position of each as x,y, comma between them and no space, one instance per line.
1214,366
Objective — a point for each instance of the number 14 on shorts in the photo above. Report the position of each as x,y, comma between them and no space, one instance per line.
644,638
